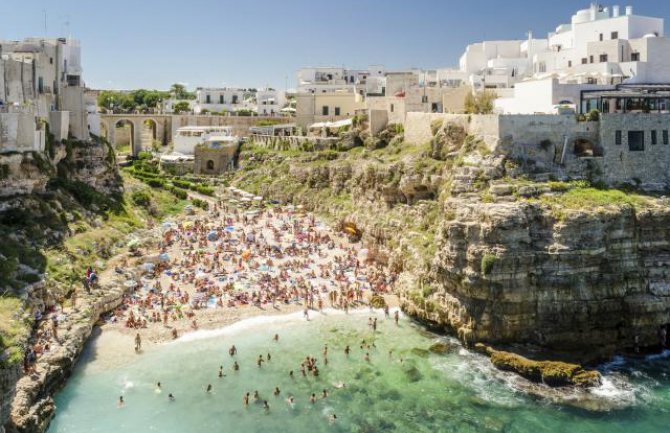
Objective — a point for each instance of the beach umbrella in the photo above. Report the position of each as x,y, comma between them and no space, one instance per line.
148,267
212,236
230,229
167,225
164,257
258,198
200,276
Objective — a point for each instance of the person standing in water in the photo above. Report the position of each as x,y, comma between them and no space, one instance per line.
121,402
396,316
138,342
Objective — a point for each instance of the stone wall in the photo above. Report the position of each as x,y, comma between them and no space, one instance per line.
18,133
650,166
562,147
214,161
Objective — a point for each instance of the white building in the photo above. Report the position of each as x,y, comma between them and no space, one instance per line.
600,46
40,79
269,102
218,100
188,137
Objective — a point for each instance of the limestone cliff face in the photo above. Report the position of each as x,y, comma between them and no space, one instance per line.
32,217
488,252
512,272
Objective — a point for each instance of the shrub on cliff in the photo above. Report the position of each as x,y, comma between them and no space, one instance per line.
488,260
141,198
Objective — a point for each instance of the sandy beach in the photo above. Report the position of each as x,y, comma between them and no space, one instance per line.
207,269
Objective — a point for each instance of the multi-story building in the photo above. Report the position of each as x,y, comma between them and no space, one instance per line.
601,46
269,102
326,94
40,81
224,99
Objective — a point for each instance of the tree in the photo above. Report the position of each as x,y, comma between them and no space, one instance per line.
181,107
179,91
481,103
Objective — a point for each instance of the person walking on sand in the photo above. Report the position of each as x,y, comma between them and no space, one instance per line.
138,342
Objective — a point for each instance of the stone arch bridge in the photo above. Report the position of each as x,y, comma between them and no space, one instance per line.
146,128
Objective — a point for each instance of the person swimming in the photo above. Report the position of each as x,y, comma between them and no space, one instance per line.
121,402
256,395
158,388
171,397
276,337
260,361
233,350
312,398
236,366
209,388
347,350
269,357
245,399
266,406
290,374
277,391
324,393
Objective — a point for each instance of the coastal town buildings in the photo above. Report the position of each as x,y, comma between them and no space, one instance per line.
599,49
40,82
331,94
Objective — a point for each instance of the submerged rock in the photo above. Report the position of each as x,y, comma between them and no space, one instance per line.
551,373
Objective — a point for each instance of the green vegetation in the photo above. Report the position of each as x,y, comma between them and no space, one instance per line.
488,261
481,103
181,107
14,330
129,101
202,204
589,197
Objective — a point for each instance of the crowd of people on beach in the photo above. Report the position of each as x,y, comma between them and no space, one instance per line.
234,258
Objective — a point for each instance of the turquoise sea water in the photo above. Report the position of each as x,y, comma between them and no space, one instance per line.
454,392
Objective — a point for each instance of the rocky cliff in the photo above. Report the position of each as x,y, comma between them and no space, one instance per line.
487,251
42,197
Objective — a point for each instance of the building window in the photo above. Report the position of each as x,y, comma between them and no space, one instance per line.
590,59
221,100
324,110
665,137
617,138
603,58
654,137
424,99
569,63
634,57
601,37
337,111
234,99
585,61
208,99
51,60
615,35
392,108
636,141
210,164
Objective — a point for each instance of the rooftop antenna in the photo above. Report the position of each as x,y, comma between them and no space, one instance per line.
67,27
46,33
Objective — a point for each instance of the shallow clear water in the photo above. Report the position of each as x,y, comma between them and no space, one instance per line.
453,392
